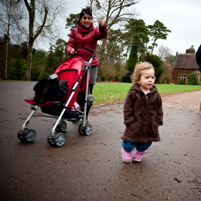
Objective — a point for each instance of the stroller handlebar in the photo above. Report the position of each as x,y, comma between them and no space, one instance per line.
91,51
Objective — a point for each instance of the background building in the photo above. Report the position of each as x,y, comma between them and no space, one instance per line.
184,64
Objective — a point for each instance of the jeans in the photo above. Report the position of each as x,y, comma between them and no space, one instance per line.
141,147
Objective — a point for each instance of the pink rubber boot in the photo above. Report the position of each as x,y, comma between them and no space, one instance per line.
138,156
126,156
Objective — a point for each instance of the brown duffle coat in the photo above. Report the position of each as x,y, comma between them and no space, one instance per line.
142,115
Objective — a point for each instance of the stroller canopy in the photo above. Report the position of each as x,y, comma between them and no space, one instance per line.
73,63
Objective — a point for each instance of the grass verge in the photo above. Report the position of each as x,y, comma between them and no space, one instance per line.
110,92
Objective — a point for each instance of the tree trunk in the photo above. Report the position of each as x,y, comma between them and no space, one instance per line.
7,40
153,46
101,59
29,61
6,57
112,48
31,10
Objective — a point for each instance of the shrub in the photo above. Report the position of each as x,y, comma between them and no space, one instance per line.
192,79
127,78
181,81
107,73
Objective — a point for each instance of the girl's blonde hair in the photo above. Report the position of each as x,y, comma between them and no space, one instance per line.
139,67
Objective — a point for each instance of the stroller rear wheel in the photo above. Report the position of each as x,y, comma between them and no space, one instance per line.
59,139
86,130
81,129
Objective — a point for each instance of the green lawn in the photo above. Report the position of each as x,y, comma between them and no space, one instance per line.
109,92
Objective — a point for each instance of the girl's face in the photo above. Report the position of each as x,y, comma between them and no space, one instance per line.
147,79
86,20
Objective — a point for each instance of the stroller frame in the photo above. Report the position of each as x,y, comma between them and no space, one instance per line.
58,139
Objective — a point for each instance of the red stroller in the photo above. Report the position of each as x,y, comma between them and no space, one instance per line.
76,72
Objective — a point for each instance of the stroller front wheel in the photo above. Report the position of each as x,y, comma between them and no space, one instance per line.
20,135
28,135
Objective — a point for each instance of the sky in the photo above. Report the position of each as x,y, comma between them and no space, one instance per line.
182,17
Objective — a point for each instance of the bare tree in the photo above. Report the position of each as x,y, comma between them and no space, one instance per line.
30,18
42,16
115,12
95,3
163,52
10,13
32,37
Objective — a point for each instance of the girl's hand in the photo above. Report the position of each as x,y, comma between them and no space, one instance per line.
73,51
101,22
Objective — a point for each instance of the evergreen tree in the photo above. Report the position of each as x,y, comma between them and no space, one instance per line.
49,64
60,51
157,31
38,65
157,63
139,39
72,20
16,69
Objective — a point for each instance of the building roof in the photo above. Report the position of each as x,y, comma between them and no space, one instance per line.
186,61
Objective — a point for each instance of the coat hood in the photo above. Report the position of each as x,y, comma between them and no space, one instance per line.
139,93
137,88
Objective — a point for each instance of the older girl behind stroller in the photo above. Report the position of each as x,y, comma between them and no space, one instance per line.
85,35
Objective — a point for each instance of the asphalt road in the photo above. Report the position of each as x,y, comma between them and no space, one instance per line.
90,167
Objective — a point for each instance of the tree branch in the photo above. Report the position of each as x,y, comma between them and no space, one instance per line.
40,28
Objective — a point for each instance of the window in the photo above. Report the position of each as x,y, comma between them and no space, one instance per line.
182,77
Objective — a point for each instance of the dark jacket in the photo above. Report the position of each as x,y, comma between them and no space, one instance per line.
198,57
81,37
142,115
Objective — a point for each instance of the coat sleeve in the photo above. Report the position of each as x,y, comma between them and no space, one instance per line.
159,114
101,32
198,57
71,41
129,107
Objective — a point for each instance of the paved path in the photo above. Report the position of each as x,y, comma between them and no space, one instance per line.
90,167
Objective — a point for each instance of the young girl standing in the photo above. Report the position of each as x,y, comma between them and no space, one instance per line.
143,113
